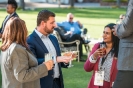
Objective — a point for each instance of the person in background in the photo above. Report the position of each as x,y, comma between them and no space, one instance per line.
70,25
66,37
74,27
41,41
103,60
19,67
124,31
11,10
121,17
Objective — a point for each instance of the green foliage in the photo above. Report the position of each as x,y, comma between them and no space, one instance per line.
114,0
94,19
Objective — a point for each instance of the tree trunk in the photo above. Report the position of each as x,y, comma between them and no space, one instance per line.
118,3
59,3
72,3
22,4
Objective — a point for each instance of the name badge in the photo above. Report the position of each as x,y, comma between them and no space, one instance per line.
99,78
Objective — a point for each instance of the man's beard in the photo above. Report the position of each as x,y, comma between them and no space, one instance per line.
48,31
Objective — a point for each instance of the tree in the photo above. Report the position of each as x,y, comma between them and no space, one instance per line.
118,3
72,3
22,4
59,3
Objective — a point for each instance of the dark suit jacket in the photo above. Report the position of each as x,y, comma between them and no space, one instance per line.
39,49
4,23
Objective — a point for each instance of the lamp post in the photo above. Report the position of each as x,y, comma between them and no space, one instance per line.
59,3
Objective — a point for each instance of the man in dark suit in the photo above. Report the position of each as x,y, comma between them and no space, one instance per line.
124,31
11,10
41,42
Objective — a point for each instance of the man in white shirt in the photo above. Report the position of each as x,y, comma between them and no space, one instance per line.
42,42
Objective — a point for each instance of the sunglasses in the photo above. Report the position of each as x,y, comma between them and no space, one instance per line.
71,18
120,18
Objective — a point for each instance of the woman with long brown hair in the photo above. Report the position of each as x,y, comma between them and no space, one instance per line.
18,66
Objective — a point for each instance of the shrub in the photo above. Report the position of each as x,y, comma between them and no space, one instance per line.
114,0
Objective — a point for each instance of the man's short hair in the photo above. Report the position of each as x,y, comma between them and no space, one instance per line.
44,16
13,3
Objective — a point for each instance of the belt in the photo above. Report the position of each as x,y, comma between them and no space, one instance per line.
56,79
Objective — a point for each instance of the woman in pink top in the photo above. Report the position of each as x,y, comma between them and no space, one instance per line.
103,60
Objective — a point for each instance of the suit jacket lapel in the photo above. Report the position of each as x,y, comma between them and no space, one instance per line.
37,38
6,19
55,45
13,15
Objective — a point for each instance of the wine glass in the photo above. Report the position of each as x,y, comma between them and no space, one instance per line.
47,56
102,49
67,52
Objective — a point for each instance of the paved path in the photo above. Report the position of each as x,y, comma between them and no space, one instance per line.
55,5
79,5
33,5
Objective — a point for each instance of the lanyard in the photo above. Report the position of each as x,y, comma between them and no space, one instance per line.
104,58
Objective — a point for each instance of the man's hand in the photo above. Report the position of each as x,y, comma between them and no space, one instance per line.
73,54
79,23
68,32
67,57
64,59
114,30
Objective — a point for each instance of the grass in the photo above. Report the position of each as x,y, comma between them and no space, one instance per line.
76,77
94,19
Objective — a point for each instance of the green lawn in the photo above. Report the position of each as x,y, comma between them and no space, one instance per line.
94,19
76,77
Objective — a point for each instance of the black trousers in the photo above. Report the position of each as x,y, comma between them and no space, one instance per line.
124,79
77,37
56,83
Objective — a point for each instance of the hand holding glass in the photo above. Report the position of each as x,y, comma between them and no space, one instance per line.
68,56
102,50
49,60
49,64
71,54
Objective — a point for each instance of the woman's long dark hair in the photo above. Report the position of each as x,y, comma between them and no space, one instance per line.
115,40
